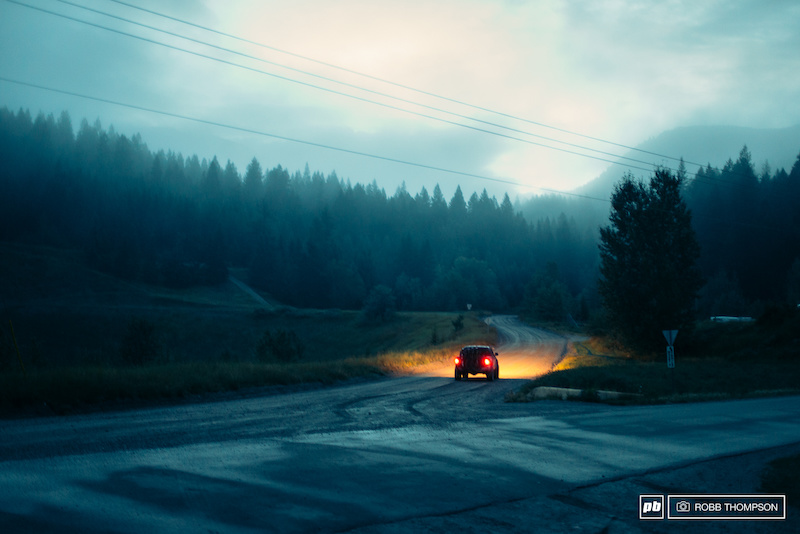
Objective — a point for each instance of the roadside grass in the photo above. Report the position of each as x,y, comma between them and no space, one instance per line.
393,347
783,476
72,327
716,362
91,333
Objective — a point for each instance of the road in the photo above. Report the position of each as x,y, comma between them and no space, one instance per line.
420,453
527,352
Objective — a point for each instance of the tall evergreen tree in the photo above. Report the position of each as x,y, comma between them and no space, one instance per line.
254,180
649,274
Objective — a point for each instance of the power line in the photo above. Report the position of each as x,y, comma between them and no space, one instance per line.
340,149
481,130
352,86
696,174
358,87
291,139
399,85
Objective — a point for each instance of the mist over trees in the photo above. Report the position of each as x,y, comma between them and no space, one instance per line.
309,239
316,240
748,227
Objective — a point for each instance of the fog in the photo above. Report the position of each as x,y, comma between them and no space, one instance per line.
612,71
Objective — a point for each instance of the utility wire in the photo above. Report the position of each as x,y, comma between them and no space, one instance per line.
695,175
340,149
326,89
399,85
353,86
481,130
291,139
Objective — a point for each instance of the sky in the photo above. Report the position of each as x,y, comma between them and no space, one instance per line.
514,96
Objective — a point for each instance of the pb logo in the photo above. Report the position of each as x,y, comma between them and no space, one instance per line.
651,507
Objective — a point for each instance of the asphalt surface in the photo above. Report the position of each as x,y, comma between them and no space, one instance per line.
421,453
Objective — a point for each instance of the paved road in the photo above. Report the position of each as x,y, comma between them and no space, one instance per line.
418,453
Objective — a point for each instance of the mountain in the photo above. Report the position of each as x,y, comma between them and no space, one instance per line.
703,145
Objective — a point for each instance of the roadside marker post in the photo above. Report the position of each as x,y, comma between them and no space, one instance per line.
670,336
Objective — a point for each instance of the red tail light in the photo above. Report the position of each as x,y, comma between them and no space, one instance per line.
458,360
487,362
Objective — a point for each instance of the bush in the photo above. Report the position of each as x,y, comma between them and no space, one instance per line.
280,346
379,305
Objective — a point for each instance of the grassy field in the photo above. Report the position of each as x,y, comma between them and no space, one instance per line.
338,347
72,324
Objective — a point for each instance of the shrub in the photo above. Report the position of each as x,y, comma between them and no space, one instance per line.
280,346
379,305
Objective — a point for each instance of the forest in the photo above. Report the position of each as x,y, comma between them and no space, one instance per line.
319,241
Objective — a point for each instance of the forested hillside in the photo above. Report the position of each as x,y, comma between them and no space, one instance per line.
748,227
313,240
308,239
747,224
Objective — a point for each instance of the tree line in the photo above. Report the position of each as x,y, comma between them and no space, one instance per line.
316,240
309,239
748,228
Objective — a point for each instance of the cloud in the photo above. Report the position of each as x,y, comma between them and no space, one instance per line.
621,70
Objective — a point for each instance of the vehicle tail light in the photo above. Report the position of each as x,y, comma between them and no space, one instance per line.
458,360
487,362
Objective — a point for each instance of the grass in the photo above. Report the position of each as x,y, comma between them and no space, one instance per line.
716,362
395,346
63,389
70,323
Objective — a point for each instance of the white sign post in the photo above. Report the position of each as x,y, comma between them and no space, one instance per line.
670,336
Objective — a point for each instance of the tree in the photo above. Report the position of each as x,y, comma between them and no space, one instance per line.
458,206
649,279
253,180
379,306
546,295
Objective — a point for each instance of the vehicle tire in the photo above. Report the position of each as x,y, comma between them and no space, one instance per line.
490,376
458,375
497,373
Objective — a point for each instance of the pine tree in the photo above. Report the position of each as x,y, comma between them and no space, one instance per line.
649,277
254,180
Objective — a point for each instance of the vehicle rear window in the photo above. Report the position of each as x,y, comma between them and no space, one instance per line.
476,351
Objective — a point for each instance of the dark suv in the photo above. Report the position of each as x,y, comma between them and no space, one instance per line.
476,360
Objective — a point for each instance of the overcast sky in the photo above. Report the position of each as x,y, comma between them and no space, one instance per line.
617,70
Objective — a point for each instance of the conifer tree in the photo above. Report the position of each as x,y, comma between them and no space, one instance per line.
649,275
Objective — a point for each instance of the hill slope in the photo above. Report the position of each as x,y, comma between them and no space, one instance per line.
704,145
